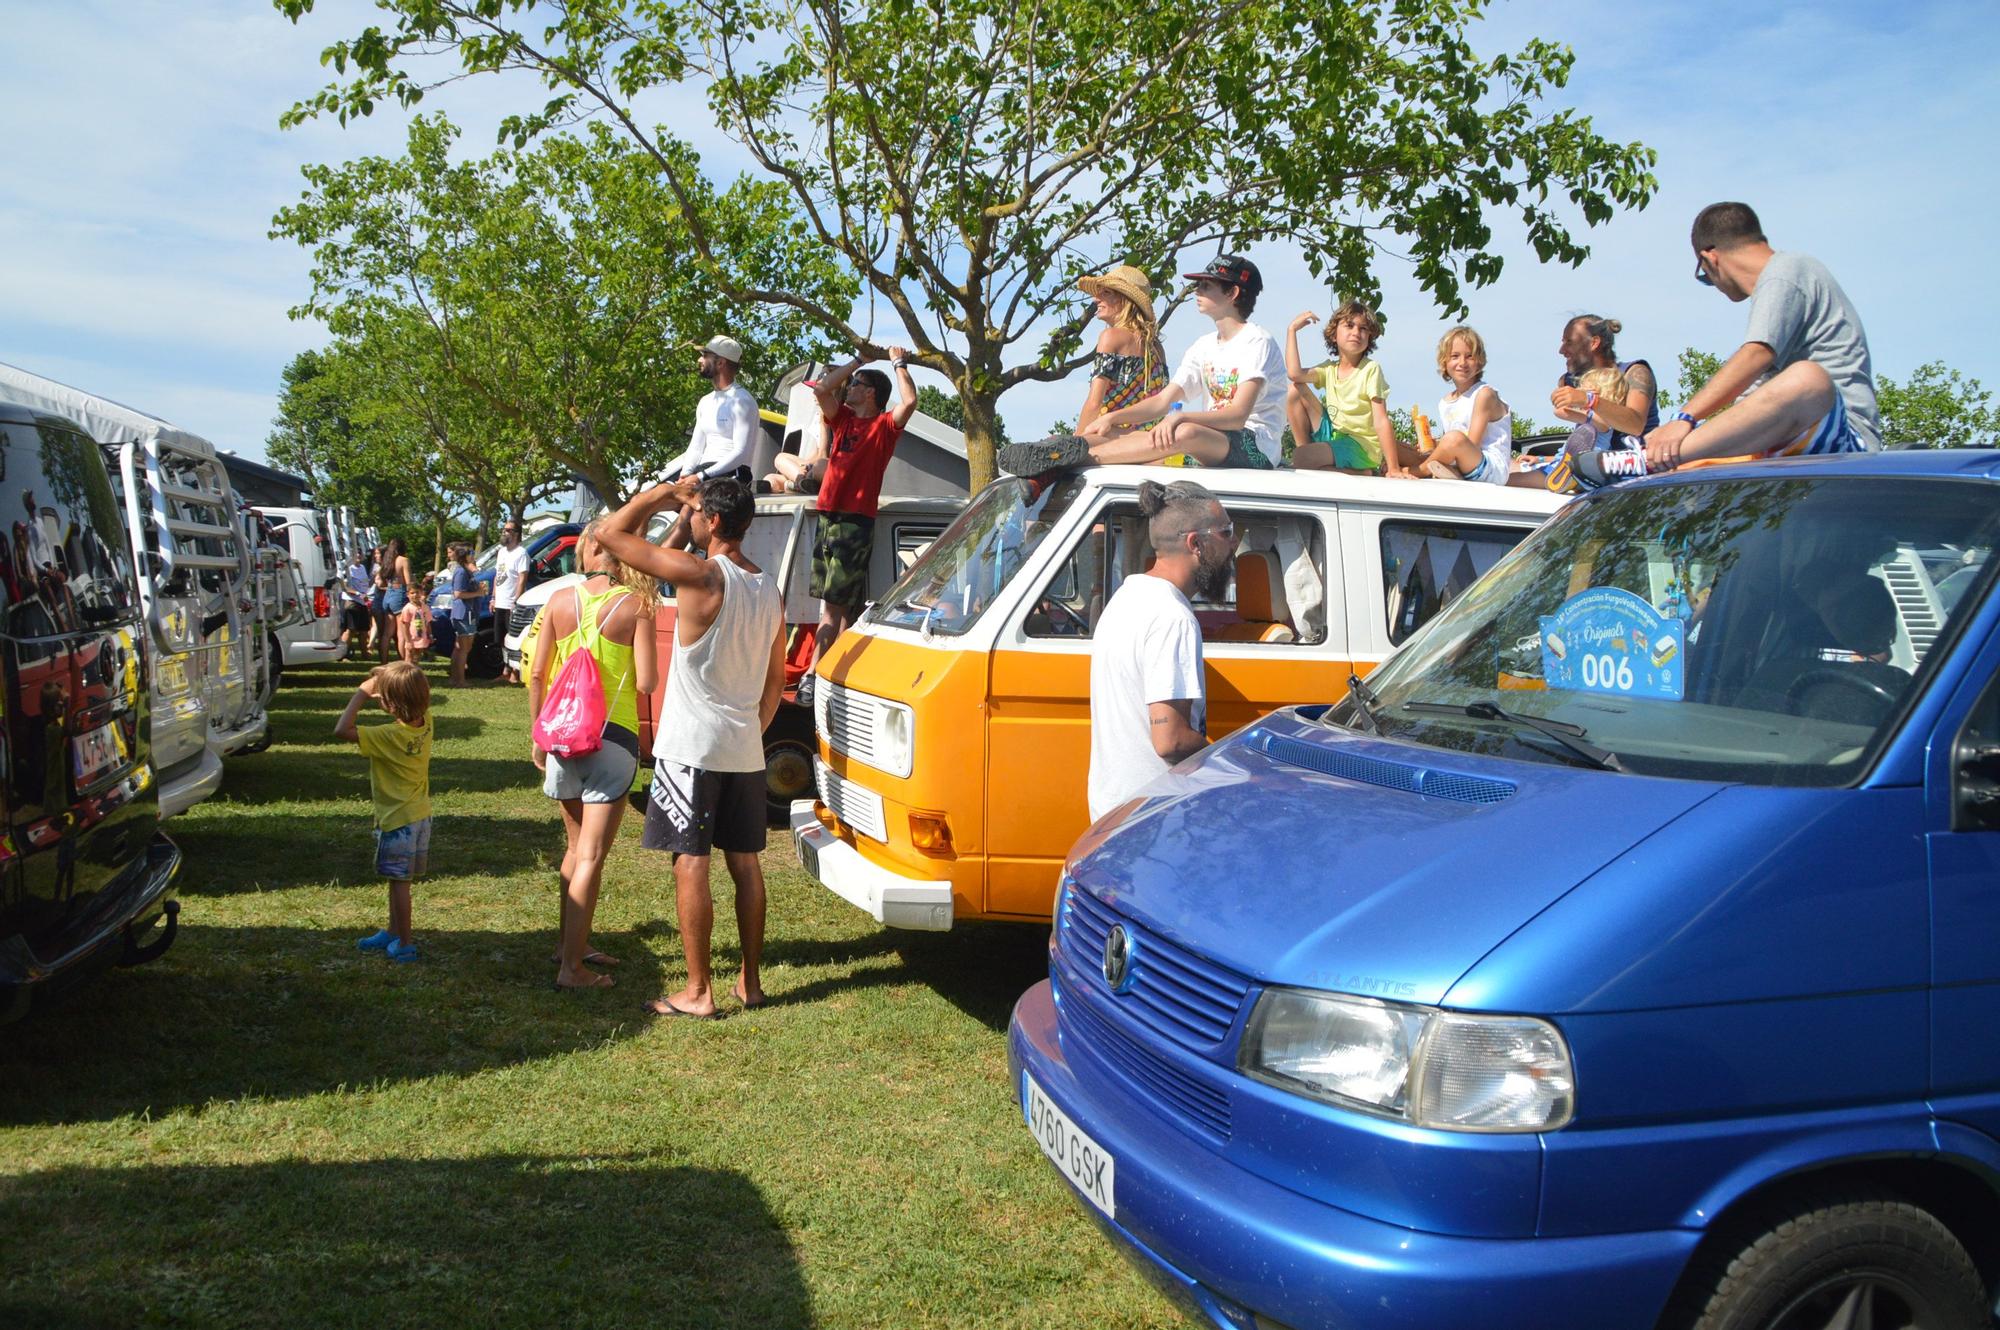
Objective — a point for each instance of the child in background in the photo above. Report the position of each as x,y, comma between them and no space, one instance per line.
413,623
1477,428
1558,473
1351,430
399,780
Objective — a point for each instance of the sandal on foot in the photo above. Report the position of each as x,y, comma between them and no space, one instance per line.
665,1007
596,981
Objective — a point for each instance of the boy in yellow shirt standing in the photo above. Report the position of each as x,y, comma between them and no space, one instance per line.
1350,430
399,780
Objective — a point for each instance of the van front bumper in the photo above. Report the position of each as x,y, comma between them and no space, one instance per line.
306,652
1229,1246
144,893
886,897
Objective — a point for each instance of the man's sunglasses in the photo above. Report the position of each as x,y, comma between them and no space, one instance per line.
1701,270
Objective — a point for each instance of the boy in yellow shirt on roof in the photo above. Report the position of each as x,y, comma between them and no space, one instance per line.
1345,425
399,781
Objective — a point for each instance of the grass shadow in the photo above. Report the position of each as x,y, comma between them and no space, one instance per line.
237,1013
310,772
980,968
224,855
508,1240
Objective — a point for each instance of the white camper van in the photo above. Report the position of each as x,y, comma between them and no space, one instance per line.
308,533
193,569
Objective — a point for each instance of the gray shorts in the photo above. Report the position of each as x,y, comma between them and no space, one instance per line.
602,777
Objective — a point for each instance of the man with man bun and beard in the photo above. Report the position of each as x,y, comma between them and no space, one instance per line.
1148,699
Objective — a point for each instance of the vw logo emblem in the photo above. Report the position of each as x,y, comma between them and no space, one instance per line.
1118,959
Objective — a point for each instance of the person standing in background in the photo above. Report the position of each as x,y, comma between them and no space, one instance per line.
510,573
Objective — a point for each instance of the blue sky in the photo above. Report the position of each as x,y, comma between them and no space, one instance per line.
144,162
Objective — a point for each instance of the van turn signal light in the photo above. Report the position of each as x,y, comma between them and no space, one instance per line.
930,833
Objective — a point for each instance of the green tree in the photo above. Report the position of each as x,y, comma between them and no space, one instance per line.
939,404
1694,369
539,303
1937,407
969,159
315,435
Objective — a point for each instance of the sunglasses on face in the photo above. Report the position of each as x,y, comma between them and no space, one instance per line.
1701,270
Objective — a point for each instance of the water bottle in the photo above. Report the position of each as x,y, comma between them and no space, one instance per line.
1177,459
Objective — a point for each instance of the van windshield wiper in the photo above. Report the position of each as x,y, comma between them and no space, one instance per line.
1568,735
1366,703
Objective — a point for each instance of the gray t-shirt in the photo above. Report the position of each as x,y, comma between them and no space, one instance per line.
1801,313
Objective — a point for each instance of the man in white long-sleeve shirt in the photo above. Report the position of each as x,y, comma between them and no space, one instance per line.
725,420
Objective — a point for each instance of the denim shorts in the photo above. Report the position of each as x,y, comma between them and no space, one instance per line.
394,599
404,853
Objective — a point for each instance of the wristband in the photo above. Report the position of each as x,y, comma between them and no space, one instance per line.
1682,415
899,364
1589,403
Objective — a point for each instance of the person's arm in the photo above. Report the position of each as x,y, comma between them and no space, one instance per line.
345,728
645,650
1385,434
620,535
1100,387
1232,414
832,388
742,439
1174,735
1295,368
472,591
1149,408
1486,408
906,387
1663,445
774,681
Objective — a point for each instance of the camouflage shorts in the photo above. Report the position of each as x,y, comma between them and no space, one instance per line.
842,548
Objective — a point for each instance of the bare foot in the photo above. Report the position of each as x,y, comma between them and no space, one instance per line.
583,979
1440,470
751,998
687,1002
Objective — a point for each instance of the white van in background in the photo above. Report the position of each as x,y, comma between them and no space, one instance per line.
322,567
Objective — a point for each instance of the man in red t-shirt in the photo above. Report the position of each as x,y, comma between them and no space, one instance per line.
861,433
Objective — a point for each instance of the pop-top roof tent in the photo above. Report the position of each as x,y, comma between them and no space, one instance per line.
104,420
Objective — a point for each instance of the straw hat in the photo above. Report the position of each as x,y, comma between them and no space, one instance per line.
1124,281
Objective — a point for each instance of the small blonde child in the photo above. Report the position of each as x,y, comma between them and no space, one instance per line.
1339,410
399,782
413,624
1605,384
1475,427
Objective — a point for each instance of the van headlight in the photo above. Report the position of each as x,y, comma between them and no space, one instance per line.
1431,1068
895,738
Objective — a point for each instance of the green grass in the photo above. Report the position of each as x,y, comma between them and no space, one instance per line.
265,1127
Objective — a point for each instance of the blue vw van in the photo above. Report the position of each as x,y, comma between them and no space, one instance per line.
1623,952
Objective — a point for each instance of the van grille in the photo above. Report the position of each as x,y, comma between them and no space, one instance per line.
1174,1090
519,621
855,805
846,720
1173,992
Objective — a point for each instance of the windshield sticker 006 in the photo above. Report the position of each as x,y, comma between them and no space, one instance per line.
1606,640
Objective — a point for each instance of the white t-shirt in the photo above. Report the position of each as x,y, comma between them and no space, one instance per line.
1147,649
725,428
1496,445
507,569
1212,368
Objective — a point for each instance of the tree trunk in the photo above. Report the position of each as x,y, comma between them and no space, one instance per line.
981,411
437,545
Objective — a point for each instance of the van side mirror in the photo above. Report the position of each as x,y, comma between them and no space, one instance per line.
1976,787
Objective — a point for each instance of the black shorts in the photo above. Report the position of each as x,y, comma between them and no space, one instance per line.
356,617
843,547
691,811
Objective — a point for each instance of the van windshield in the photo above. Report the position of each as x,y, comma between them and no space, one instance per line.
1767,631
965,569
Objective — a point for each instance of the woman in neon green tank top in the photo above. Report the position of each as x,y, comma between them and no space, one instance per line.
611,615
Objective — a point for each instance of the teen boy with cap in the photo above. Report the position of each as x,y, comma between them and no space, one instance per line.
1232,381
725,420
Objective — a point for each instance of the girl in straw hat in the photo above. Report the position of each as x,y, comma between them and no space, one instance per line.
1130,365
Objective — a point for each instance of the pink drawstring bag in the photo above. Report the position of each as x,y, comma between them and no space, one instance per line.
573,714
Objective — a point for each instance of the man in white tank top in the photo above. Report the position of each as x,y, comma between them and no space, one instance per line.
724,679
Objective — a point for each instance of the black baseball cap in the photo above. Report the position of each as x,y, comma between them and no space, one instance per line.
1230,270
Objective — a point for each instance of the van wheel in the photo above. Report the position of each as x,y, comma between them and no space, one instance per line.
1850,1261
788,760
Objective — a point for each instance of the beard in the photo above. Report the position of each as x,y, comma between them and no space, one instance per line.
1211,576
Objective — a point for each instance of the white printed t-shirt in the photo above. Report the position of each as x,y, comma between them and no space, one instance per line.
1212,368
508,566
1147,648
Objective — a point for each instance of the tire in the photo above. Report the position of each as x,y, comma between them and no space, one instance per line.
789,749
1846,1260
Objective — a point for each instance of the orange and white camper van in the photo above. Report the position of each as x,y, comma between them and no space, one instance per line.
953,721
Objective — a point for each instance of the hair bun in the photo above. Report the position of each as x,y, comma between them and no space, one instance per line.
1615,326
1152,497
